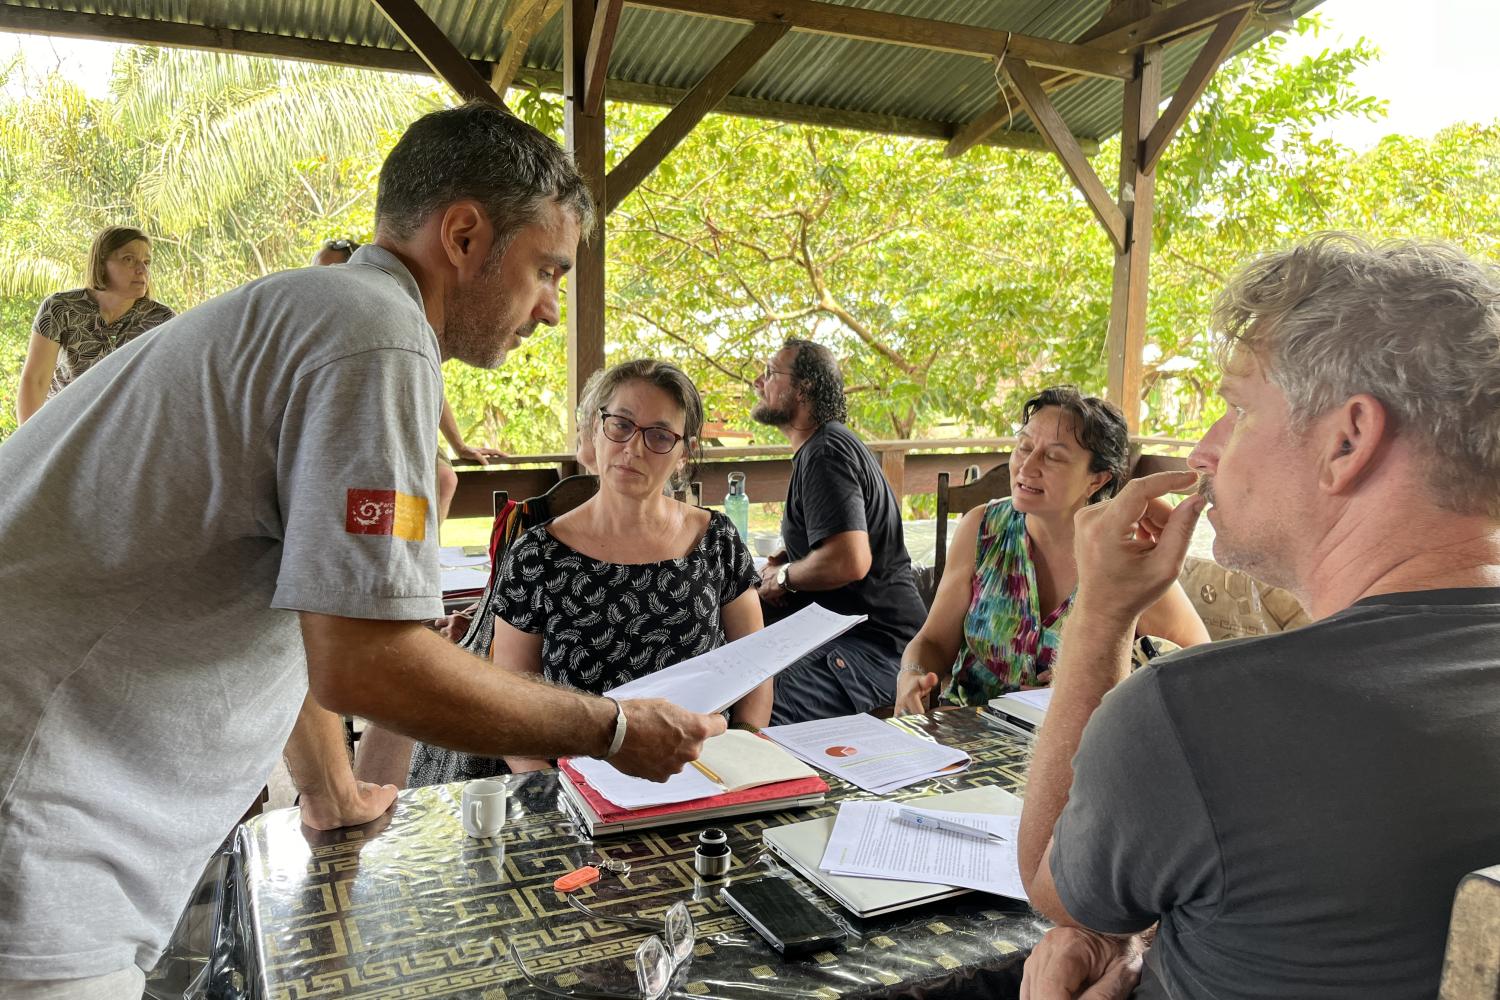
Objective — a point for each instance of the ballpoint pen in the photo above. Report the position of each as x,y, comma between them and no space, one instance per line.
933,822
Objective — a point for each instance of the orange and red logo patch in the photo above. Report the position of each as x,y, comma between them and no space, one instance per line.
386,512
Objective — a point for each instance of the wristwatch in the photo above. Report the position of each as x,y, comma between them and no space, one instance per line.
783,578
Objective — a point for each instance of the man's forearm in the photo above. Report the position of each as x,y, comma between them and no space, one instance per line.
821,569
1095,656
316,754
408,679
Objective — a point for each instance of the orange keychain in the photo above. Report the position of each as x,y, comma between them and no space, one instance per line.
577,879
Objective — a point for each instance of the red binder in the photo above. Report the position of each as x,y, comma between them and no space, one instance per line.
602,816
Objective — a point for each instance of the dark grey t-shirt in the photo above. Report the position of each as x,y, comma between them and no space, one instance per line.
1295,809
837,486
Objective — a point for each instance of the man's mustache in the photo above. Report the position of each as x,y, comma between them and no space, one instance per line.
1206,488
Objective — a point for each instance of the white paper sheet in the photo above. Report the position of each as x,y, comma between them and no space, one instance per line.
870,841
865,751
452,557
1038,698
464,578
638,793
713,681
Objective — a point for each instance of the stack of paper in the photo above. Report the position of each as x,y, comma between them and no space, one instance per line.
867,752
871,840
1023,709
730,762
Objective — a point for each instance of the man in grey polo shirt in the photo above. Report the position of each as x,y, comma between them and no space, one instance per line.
214,521
1293,811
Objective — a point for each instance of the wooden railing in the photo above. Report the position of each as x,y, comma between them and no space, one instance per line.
911,467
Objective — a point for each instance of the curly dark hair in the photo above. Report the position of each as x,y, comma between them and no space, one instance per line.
1098,426
815,372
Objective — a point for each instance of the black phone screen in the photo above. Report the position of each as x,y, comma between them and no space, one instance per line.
781,915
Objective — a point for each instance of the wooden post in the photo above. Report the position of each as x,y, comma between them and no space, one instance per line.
1126,340
893,464
584,134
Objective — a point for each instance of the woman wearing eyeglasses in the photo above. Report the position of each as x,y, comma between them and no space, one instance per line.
75,329
631,580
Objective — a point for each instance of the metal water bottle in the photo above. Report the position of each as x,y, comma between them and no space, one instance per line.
737,505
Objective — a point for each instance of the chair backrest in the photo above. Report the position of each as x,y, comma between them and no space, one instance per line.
960,500
512,518
1471,963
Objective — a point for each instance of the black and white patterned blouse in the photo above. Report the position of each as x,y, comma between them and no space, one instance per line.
603,624
73,320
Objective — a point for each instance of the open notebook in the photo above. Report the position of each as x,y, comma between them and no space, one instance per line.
737,772
802,845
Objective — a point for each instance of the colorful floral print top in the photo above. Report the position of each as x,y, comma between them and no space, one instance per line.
1007,640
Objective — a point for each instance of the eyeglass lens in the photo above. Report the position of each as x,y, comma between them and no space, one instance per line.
622,429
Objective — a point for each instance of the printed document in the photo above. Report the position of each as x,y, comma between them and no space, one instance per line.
867,752
869,840
714,680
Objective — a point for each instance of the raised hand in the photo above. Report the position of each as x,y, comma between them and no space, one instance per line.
1130,548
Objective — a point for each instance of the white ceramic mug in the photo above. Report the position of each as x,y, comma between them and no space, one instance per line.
483,807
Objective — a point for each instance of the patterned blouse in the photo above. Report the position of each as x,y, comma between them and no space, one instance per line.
1007,641
73,320
603,624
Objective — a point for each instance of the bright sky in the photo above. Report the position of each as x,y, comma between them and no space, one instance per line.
1438,61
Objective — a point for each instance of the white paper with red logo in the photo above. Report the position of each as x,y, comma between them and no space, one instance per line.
867,751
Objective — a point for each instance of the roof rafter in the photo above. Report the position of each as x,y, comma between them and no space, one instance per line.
671,130
1210,58
900,29
437,50
1184,19
523,22
1040,110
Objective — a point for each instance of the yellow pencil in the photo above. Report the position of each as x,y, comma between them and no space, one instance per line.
707,773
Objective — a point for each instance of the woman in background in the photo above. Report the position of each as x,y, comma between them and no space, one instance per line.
73,330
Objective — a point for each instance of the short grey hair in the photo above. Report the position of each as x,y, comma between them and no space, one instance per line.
482,152
1414,324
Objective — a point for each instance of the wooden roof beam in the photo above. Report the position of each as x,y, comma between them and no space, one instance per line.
1210,58
1175,22
596,62
523,22
437,51
899,29
1040,110
671,130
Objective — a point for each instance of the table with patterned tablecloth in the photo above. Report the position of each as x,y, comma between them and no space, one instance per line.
414,908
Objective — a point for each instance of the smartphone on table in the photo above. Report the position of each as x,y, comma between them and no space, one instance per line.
790,923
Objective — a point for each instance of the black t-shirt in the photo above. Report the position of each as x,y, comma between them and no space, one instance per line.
1296,810
837,486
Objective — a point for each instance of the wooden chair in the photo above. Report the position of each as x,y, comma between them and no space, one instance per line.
1471,963
512,518
961,499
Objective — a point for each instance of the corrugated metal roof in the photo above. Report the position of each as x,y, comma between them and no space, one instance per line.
666,49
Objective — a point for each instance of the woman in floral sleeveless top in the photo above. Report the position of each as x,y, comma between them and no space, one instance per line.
1008,585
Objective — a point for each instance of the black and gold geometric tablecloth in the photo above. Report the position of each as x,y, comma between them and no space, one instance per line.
417,909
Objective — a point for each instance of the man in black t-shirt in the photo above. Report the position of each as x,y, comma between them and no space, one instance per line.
843,544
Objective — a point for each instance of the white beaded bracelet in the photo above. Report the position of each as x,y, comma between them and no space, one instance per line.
619,737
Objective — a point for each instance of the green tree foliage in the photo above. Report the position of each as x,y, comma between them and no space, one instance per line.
949,287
